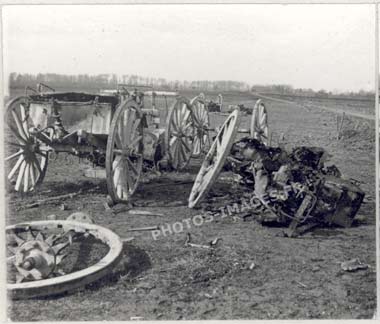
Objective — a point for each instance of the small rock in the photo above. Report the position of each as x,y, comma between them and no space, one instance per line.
252,265
136,318
80,217
208,296
63,207
315,269
353,265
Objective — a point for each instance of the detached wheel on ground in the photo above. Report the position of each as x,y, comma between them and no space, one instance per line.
26,160
38,253
202,124
179,134
215,158
124,155
259,123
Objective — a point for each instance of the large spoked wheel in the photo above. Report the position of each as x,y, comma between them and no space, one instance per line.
39,255
26,159
215,158
259,123
202,125
179,134
124,155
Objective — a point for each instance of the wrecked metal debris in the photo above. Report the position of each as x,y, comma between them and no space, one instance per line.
296,187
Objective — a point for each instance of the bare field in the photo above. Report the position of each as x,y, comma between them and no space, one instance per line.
349,105
165,280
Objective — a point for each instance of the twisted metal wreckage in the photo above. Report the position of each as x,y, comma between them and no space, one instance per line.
119,133
296,187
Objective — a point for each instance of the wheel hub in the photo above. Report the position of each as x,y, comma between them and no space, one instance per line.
35,260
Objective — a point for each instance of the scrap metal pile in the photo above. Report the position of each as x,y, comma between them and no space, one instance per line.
296,187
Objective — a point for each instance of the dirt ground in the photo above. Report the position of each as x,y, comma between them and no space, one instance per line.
251,273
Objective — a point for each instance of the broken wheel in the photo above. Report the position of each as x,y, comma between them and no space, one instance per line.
259,123
37,252
215,158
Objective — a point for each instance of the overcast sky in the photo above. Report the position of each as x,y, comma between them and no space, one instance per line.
308,46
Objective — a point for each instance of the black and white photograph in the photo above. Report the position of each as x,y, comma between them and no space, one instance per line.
190,161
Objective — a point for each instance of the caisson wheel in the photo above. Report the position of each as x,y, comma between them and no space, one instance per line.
43,257
26,159
202,124
179,134
124,155
259,123
215,158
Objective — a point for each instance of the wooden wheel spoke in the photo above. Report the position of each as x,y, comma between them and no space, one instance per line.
174,125
129,126
118,142
26,178
179,114
197,145
136,124
185,117
187,126
24,120
122,127
19,125
259,123
176,153
204,115
122,131
135,141
127,173
14,155
196,120
15,144
20,139
15,167
173,140
183,153
20,176
32,176
263,120
37,164
185,144
132,167
118,161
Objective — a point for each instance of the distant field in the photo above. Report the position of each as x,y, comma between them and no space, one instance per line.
355,105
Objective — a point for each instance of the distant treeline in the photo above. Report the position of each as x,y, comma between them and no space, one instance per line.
288,90
110,81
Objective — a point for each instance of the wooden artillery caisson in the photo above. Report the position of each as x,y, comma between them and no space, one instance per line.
113,130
